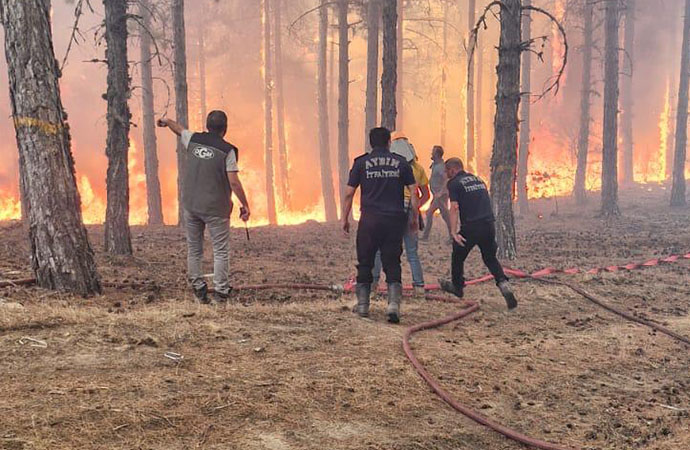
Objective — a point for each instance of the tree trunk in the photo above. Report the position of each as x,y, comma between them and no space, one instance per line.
202,74
117,236
283,186
181,100
469,97
523,149
268,113
609,170
504,155
343,97
399,92
444,64
389,77
373,20
322,99
627,94
61,257
478,150
672,51
678,188
580,189
153,185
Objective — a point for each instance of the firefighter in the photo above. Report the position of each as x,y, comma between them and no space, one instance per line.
472,224
383,177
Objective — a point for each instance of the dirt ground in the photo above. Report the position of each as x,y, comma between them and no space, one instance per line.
297,370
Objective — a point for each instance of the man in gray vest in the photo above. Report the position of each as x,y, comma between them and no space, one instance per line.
209,181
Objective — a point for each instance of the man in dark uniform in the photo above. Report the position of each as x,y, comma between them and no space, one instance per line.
383,177
212,175
472,223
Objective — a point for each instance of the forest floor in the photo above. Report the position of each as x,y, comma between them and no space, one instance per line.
297,370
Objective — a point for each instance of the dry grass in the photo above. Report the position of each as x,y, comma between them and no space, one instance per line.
295,370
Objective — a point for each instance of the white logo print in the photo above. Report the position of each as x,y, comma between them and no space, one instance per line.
203,153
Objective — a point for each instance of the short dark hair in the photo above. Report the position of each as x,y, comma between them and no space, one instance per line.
379,137
217,122
438,150
455,163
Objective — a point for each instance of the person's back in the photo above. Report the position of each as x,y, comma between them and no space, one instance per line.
380,175
472,196
438,180
206,186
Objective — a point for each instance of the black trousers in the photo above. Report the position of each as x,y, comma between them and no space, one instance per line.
482,234
380,232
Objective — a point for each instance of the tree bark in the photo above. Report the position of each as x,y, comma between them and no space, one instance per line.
117,237
672,51
389,77
399,91
181,96
202,74
153,185
609,170
478,150
343,97
370,116
678,187
580,190
469,97
61,257
627,101
523,149
322,99
268,113
444,93
284,185
504,155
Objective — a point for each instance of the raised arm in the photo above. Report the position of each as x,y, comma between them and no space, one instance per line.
174,126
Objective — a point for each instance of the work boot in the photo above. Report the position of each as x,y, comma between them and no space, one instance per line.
451,288
419,292
507,293
394,298
201,294
220,298
363,291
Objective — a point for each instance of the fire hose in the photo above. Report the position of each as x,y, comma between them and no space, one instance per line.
469,308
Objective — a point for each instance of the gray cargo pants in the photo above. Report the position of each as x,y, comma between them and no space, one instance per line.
219,229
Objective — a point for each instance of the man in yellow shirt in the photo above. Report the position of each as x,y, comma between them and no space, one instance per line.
402,146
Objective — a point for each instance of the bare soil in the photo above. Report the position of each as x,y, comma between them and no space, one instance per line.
297,370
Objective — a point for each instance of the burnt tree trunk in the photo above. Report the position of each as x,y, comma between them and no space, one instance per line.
469,96
504,155
444,67
61,257
678,187
343,97
389,76
627,94
322,100
268,113
370,116
609,169
399,88
181,99
283,185
117,236
523,148
153,185
580,189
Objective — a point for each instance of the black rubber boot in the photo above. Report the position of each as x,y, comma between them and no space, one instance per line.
448,286
363,291
507,293
394,298
201,294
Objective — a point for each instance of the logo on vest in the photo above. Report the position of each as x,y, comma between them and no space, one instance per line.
203,153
